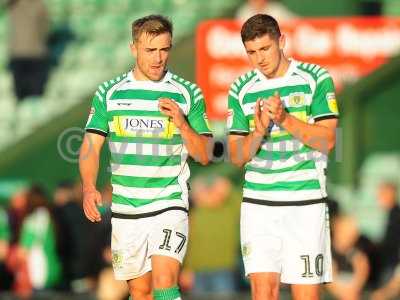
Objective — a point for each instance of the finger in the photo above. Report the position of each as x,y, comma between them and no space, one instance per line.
271,107
167,101
87,214
92,209
98,199
166,112
257,107
169,106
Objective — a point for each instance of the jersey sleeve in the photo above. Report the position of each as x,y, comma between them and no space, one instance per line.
323,105
97,121
197,116
237,123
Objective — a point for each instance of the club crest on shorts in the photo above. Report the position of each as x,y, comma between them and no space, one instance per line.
117,259
246,250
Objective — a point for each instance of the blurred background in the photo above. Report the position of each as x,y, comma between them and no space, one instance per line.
54,54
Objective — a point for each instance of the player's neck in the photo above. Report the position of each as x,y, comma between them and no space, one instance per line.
140,76
282,68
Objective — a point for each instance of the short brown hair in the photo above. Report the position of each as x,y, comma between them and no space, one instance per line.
152,25
259,25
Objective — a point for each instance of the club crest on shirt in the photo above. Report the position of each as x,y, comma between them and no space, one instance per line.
297,99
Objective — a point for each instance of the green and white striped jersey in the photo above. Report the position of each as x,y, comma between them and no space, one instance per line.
38,236
284,169
4,226
148,156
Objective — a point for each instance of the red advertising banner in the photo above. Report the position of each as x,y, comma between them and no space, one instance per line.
348,47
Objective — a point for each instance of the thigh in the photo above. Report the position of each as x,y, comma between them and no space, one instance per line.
306,245
261,238
129,245
169,235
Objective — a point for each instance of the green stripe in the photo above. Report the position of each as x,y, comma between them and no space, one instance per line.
281,155
137,202
176,140
142,182
284,186
303,165
147,95
131,113
146,160
283,92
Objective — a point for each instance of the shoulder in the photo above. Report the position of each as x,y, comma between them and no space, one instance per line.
242,84
313,72
243,80
187,87
109,85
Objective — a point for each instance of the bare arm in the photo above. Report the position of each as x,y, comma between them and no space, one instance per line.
88,166
390,290
197,145
243,148
361,271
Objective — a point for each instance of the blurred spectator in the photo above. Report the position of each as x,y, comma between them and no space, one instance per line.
5,274
16,213
271,7
371,7
389,248
108,288
214,242
74,247
38,247
28,46
350,261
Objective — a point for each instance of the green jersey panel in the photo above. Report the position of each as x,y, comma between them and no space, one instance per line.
4,226
98,115
324,100
237,121
197,117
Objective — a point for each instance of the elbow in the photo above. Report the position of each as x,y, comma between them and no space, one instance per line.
330,146
237,162
204,161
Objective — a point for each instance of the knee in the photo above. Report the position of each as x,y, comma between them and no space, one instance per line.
141,294
266,293
164,281
265,290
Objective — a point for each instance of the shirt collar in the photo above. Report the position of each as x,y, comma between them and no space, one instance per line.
167,77
289,71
